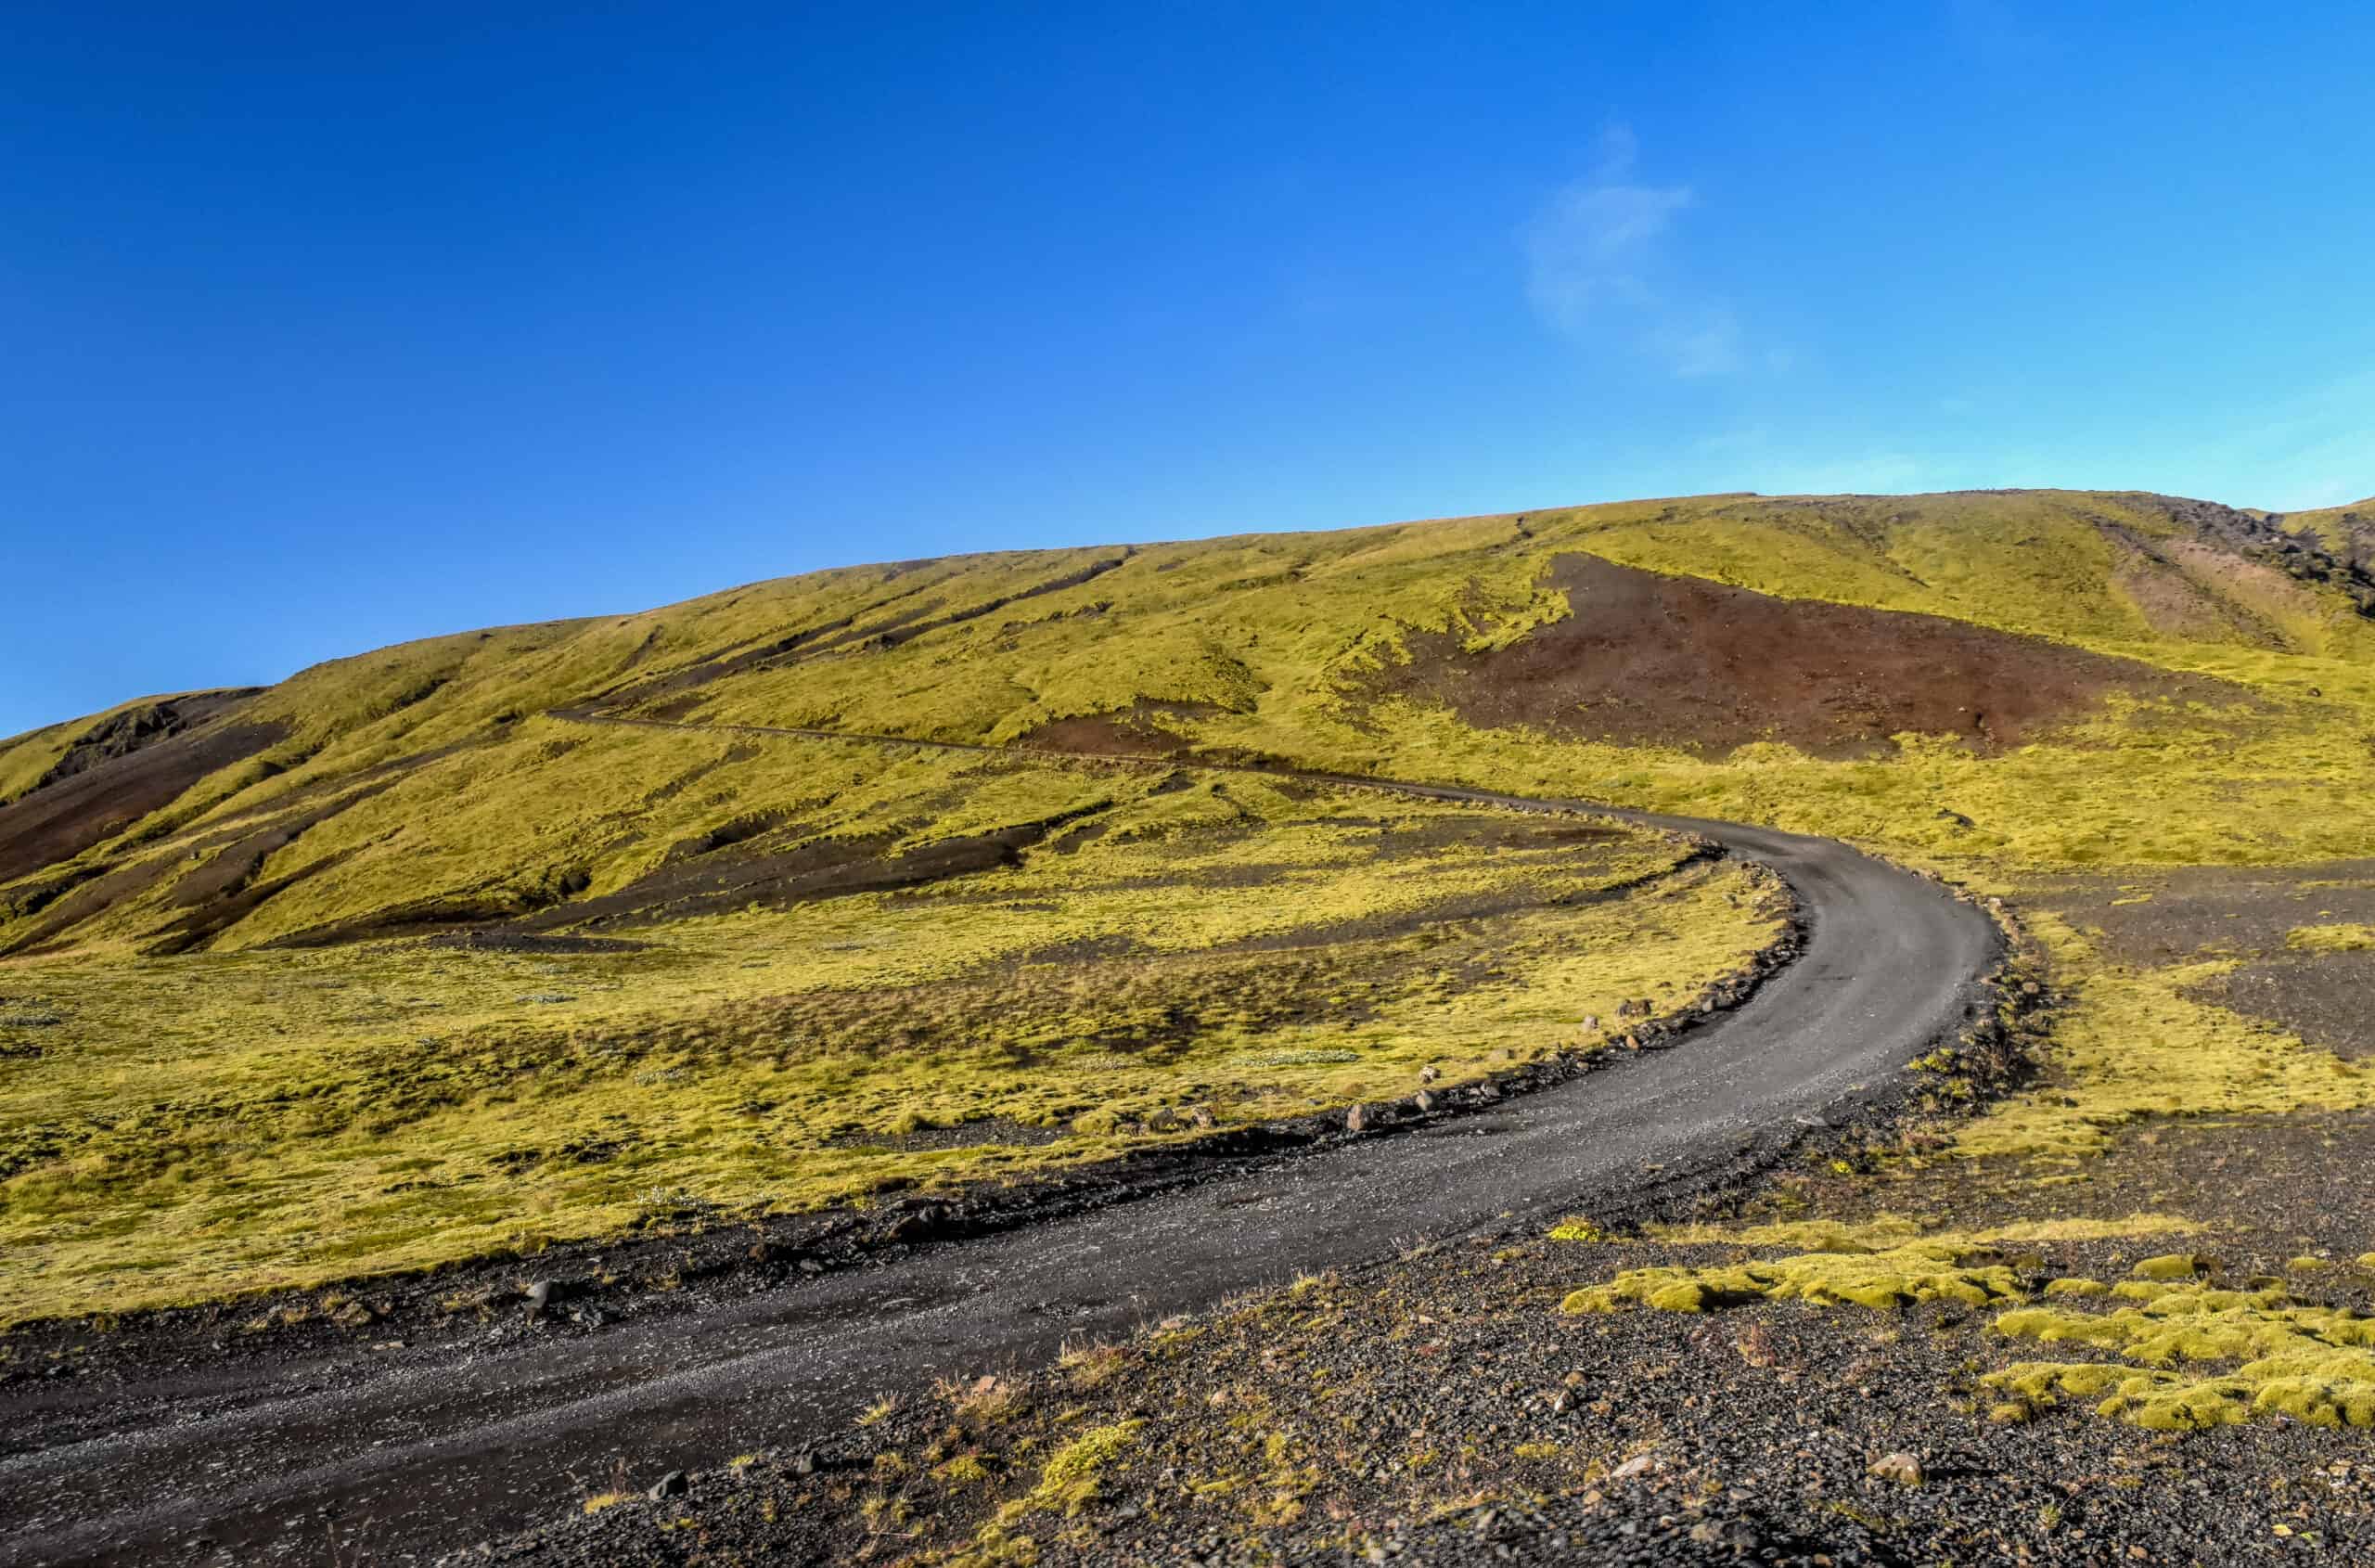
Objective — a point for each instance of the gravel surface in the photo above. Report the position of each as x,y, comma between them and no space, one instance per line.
1441,1410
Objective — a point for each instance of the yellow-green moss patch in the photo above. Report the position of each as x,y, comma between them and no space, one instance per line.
1071,1479
2332,939
1896,1277
2312,1363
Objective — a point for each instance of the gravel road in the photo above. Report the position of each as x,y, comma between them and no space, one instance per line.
278,1464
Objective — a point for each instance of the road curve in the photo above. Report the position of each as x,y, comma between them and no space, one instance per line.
413,1460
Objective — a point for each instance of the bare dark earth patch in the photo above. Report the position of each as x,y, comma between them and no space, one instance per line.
1646,659
967,1135
523,941
138,727
2327,998
730,876
210,920
698,881
111,791
424,918
2163,917
1135,731
2263,541
63,909
225,889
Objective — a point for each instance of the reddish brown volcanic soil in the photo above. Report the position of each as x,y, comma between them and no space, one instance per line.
1682,661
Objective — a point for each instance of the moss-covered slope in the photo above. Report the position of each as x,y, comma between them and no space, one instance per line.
2062,676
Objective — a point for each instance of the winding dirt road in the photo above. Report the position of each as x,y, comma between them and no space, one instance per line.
434,1454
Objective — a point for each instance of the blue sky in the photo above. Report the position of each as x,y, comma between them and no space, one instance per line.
325,327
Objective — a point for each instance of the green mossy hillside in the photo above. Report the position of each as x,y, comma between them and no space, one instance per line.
230,1060
1275,645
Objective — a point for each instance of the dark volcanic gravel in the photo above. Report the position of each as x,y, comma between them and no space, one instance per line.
1443,1409
1392,1414
2327,998
1440,1409
2169,916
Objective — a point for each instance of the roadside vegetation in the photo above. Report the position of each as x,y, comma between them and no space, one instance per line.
1190,953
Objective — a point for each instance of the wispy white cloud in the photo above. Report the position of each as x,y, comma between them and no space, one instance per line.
1596,269
1705,342
1754,457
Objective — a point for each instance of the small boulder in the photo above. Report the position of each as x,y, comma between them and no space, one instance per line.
1424,1101
1359,1119
1902,1468
538,1293
1737,1534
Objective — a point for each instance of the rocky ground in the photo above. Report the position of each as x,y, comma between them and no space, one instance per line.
1442,1409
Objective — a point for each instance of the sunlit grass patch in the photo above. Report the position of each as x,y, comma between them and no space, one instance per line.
1882,1232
